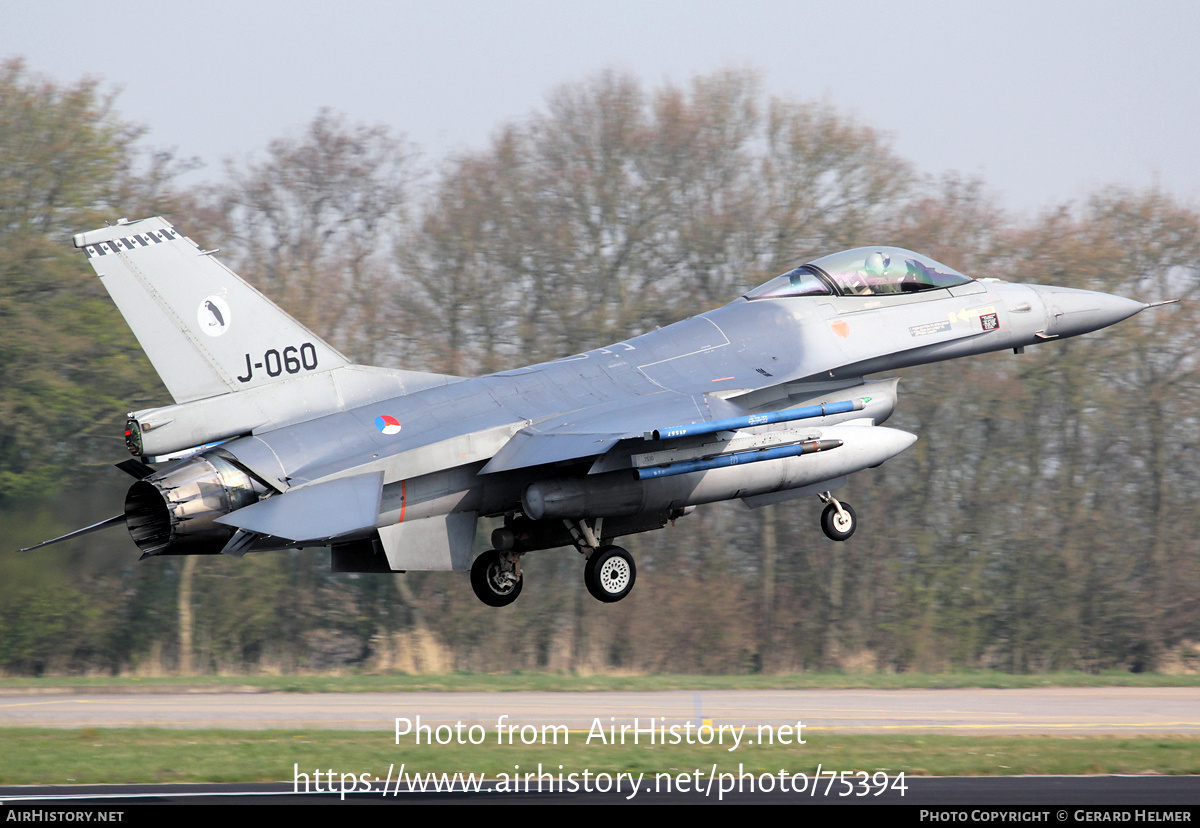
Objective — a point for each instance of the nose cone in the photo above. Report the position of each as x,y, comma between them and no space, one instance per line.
1073,312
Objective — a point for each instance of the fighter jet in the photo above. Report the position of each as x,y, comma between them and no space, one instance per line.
276,441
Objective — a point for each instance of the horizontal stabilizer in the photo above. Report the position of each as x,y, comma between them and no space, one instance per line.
135,469
314,513
240,543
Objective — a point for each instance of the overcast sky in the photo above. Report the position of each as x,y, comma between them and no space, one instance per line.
1046,101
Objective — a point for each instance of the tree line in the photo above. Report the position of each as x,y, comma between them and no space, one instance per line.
1044,520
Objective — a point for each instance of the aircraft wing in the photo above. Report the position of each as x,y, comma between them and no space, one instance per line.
593,431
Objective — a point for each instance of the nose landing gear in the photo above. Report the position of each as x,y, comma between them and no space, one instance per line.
838,520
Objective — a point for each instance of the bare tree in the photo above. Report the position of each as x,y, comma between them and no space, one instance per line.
313,225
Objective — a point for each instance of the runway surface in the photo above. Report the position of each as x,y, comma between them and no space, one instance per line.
1064,711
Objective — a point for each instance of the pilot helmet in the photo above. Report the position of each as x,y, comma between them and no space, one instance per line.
877,263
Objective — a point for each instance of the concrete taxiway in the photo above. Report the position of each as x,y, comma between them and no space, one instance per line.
1063,711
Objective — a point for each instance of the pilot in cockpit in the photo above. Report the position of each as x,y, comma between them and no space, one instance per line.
872,277
876,268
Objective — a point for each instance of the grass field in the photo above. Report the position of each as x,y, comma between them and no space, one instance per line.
48,756
566,682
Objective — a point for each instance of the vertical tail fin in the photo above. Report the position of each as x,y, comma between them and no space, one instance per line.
206,331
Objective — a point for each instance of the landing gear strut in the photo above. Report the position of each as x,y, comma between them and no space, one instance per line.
838,520
496,578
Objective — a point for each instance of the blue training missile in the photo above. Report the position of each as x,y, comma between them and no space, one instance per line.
725,460
787,415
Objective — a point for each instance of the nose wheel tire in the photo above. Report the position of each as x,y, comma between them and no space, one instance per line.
836,525
609,574
495,582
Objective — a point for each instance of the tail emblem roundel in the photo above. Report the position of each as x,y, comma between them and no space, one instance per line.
213,316
387,424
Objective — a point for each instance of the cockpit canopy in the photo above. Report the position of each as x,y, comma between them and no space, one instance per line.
863,271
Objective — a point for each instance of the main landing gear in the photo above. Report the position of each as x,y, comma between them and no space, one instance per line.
496,578
838,520
609,571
